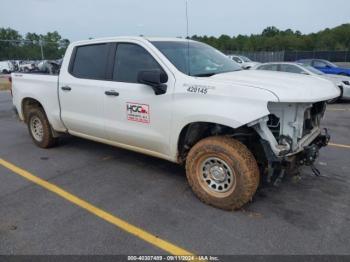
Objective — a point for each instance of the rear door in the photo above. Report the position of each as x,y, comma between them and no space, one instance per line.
135,116
81,90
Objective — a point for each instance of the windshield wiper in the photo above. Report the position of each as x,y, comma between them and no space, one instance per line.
212,73
205,74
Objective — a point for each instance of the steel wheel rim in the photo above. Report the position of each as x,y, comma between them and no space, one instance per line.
37,129
217,176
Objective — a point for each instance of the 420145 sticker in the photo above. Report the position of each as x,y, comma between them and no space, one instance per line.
138,112
199,89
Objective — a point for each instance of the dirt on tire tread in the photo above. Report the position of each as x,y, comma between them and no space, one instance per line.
246,163
48,139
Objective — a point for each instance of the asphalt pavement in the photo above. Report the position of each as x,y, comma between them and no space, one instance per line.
306,216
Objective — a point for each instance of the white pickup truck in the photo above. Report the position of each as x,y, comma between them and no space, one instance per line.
183,101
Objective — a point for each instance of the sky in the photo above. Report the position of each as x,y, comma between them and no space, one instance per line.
82,19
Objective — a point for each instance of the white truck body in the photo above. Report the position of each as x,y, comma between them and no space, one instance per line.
194,104
233,99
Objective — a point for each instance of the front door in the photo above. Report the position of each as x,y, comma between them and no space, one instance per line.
135,115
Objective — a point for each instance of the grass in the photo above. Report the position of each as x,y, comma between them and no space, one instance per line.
4,83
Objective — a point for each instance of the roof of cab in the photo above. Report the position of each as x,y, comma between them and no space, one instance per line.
123,38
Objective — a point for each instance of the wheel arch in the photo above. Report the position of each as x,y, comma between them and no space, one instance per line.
29,103
193,132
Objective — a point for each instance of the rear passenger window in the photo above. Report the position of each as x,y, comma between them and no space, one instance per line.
90,62
130,60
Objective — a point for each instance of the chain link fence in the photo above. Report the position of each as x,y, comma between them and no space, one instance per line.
263,57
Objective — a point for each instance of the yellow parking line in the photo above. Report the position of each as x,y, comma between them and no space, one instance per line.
339,145
131,229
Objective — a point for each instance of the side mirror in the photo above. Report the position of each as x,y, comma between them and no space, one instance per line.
154,78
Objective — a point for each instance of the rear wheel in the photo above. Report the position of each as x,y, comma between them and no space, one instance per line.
222,172
39,128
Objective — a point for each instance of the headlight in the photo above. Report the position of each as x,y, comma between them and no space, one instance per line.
346,83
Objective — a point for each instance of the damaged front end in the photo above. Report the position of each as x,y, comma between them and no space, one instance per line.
291,136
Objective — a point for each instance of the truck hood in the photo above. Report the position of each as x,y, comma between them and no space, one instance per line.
286,87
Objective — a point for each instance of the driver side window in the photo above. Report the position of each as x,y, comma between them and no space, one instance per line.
130,59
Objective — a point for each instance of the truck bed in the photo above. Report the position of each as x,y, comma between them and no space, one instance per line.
41,87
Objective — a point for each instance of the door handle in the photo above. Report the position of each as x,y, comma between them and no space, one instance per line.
66,88
111,93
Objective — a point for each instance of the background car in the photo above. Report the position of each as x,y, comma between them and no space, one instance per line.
325,66
49,66
343,82
244,61
27,66
6,67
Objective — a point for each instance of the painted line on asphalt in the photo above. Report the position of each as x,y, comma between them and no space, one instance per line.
118,222
338,109
339,145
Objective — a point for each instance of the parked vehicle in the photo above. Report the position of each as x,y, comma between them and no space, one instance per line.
326,66
183,101
244,61
50,67
6,67
343,82
27,66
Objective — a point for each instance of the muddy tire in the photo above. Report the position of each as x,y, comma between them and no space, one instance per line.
222,172
39,128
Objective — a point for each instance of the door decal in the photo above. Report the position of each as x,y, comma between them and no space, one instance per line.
138,112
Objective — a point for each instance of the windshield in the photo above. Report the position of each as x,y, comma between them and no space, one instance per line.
313,70
196,59
329,63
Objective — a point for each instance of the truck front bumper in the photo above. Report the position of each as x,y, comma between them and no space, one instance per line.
307,153
311,152
289,164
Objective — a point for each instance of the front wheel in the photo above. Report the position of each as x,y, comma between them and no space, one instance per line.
39,128
222,172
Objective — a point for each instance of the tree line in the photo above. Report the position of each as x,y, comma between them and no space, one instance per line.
31,46
273,39
15,46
